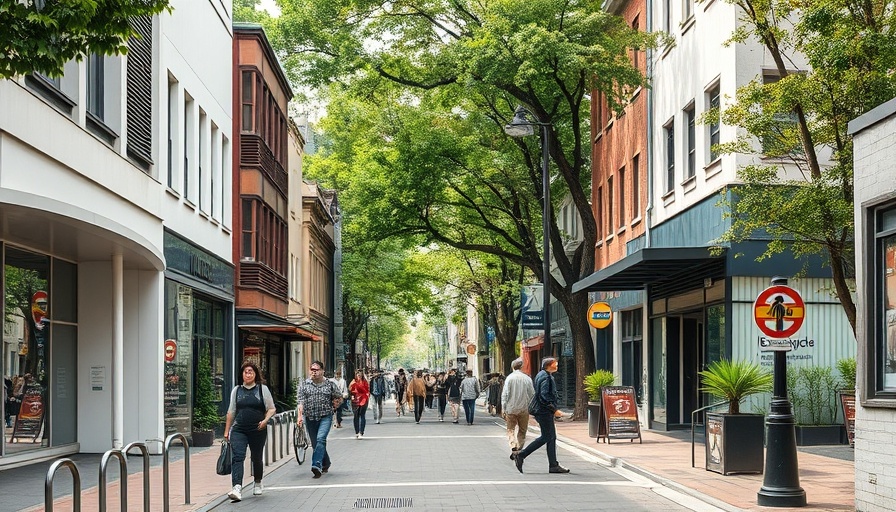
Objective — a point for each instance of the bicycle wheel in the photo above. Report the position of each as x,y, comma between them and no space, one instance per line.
300,443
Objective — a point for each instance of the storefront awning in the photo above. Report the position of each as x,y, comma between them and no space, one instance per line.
255,321
646,267
532,343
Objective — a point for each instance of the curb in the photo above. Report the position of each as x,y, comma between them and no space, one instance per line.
616,462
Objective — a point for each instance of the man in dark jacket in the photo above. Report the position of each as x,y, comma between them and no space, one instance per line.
544,409
378,394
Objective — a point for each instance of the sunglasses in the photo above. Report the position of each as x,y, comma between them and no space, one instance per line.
313,369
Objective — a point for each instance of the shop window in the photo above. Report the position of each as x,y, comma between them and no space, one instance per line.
632,347
882,310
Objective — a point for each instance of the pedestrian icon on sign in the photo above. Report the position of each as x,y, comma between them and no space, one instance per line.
778,311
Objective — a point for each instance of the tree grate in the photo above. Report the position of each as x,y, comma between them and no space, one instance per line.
389,503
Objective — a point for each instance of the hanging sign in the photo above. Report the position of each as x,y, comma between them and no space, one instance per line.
600,315
779,312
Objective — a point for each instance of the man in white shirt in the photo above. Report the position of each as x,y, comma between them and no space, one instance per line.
518,392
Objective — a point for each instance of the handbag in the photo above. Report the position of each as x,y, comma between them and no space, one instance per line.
534,405
225,459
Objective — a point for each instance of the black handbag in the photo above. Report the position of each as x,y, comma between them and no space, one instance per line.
225,459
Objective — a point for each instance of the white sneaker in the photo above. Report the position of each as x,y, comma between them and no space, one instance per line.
377,422
258,489
357,436
360,436
235,493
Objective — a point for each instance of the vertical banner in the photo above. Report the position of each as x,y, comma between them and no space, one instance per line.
532,309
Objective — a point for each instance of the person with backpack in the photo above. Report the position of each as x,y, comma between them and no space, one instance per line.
251,407
378,394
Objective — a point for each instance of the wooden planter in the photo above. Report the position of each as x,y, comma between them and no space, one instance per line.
735,442
204,438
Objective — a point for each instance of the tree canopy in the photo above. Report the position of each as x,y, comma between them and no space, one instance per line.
42,35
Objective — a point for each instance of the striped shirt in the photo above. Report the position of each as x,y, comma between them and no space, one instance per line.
316,399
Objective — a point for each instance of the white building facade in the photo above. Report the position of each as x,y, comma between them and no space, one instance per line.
115,192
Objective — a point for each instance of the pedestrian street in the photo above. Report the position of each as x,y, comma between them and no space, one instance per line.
441,466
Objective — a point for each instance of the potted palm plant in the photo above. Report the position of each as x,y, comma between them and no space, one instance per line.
205,410
593,383
734,440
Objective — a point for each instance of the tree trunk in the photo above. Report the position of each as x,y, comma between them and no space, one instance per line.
583,347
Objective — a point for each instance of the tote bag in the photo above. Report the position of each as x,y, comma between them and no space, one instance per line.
225,459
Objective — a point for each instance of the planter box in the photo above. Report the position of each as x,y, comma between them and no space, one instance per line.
594,419
815,435
734,443
203,439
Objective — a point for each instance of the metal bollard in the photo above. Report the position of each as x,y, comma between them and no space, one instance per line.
268,449
123,476
166,493
76,485
145,453
275,440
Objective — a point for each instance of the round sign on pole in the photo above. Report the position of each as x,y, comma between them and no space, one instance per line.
779,311
170,350
600,315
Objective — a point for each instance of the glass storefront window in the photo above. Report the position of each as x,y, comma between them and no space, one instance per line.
658,370
178,345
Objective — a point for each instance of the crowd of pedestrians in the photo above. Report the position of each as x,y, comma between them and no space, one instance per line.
322,402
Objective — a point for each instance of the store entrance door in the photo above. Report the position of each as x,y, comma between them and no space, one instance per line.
692,352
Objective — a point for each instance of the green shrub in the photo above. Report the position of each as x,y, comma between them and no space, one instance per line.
734,381
596,380
813,391
847,369
205,410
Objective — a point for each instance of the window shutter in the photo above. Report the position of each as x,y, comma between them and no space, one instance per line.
139,90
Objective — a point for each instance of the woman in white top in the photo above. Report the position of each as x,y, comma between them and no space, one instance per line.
343,390
251,407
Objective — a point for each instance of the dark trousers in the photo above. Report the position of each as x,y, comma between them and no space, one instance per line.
429,401
418,407
360,419
548,436
254,439
339,411
469,409
442,402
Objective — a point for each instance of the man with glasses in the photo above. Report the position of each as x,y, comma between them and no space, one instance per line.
317,397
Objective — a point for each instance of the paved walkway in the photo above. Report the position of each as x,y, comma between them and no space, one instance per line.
662,457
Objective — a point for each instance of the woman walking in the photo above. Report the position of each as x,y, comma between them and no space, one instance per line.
452,382
495,387
469,392
251,407
417,393
360,390
401,387
343,390
441,392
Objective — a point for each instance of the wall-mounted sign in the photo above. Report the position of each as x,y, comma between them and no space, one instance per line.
779,312
471,349
170,350
600,315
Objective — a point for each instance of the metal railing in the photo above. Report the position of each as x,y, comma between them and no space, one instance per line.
123,477
166,494
145,454
76,484
280,430
693,423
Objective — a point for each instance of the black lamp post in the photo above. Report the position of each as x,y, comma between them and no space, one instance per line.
781,484
521,126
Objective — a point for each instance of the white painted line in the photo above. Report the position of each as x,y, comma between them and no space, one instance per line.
617,483
464,436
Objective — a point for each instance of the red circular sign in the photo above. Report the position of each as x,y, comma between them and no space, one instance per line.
170,350
779,311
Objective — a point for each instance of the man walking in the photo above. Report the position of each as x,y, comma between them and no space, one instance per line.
544,410
317,397
378,393
469,392
518,392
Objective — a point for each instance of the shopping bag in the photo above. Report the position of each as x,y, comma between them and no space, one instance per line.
224,459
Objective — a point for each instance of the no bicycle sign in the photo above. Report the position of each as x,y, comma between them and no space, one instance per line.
779,312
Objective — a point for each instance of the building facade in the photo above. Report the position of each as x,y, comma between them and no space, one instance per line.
114,235
874,138
681,299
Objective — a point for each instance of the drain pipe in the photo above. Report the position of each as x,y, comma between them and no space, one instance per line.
649,72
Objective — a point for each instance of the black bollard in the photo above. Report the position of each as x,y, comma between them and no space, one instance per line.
781,483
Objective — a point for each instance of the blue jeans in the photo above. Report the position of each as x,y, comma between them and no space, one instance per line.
239,440
318,430
548,436
469,409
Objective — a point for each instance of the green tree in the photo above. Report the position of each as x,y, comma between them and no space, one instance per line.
801,118
449,74
42,35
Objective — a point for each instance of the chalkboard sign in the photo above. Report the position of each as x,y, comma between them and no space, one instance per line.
619,412
848,402
30,419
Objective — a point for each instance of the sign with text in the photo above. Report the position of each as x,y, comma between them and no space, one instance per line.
619,412
532,314
779,312
848,403
600,315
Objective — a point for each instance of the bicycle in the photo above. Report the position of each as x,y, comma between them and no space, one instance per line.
300,442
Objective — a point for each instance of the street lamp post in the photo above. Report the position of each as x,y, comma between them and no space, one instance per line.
521,126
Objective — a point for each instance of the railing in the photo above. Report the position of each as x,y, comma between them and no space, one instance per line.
145,454
166,494
693,422
76,485
123,477
280,430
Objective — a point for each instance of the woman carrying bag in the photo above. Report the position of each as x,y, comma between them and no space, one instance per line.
251,407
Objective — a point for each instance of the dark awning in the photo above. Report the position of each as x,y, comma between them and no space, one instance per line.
264,322
646,267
